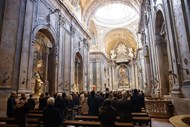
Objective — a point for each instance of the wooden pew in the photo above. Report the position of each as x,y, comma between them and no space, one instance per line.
34,115
136,119
86,117
37,116
35,111
140,114
143,119
8,125
10,121
93,123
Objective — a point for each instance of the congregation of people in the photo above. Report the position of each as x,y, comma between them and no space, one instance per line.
59,107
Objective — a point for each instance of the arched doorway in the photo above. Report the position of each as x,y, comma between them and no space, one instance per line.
78,80
162,53
43,68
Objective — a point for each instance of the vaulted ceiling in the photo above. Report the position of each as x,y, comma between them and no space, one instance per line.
111,36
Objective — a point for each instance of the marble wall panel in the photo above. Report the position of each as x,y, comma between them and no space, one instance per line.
181,36
67,61
8,42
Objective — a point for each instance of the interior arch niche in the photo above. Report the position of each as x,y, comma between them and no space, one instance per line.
78,80
162,52
43,68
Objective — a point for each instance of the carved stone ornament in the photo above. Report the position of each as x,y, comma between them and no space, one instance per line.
122,49
61,20
73,30
112,54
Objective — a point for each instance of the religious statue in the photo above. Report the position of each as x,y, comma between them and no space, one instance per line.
38,84
146,51
112,54
130,52
170,78
76,87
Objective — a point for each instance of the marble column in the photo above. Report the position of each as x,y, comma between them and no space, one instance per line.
148,86
133,75
46,84
98,75
112,87
73,30
161,65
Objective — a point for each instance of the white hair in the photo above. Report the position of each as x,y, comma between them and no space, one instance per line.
50,101
59,95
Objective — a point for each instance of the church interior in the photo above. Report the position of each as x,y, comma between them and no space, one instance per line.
58,46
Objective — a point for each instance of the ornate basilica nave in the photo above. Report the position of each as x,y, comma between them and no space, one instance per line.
82,45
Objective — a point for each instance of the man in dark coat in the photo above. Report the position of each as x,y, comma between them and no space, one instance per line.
31,102
107,114
11,104
125,108
60,105
136,101
93,104
51,115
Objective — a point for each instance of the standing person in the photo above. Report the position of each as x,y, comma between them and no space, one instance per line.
23,97
136,101
11,104
21,111
46,97
51,115
31,102
42,103
83,103
66,103
125,108
60,105
76,99
107,114
93,104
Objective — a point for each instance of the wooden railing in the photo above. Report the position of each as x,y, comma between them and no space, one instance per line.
159,108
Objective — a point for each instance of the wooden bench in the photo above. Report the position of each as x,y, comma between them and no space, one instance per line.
11,121
8,125
140,119
35,111
140,114
136,119
34,115
93,123
86,117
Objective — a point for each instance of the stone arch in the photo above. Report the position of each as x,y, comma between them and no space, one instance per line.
78,73
118,35
44,61
161,47
48,30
